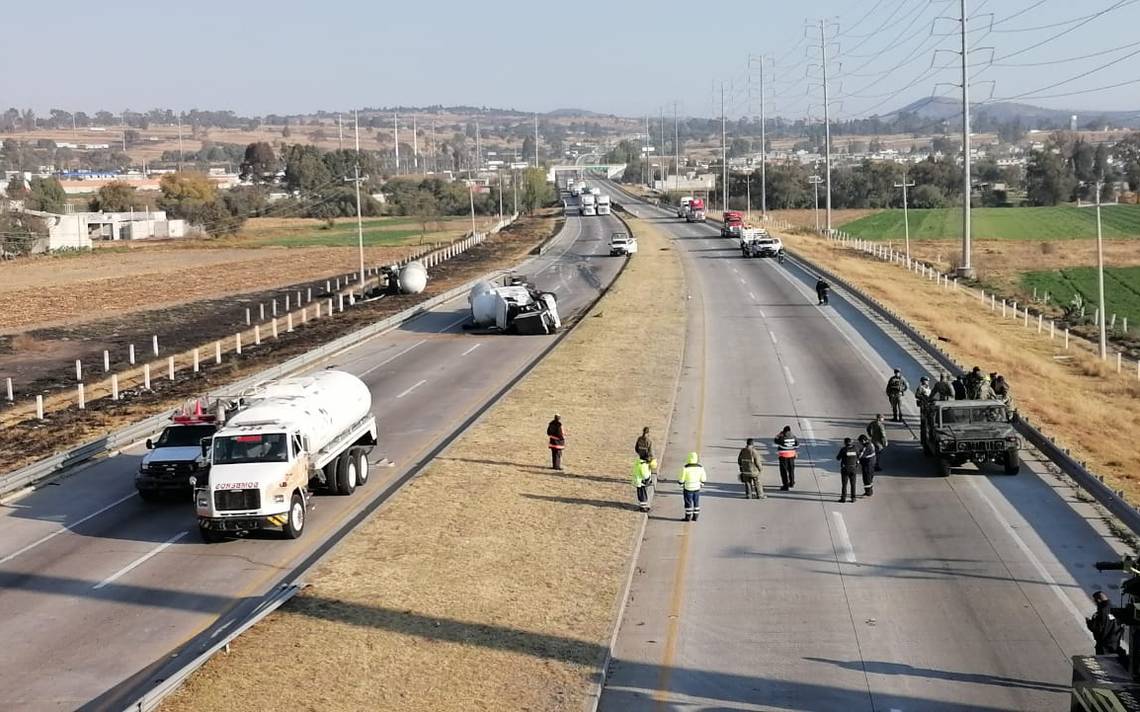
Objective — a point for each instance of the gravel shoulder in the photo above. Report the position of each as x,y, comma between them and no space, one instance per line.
489,581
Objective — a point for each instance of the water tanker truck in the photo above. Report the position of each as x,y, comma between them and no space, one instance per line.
283,440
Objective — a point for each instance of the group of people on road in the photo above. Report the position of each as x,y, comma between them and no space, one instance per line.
975,385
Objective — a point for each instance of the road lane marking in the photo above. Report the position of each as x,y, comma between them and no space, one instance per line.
393,358
470,349
753,298
808,430
417,385
65,528
845,550
763,315
788,375
773,335
139,561
1041,570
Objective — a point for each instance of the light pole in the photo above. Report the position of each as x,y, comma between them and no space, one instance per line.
906,216
1100,276
500,195
815,181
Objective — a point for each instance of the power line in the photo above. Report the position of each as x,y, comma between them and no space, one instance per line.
1082,75
1057,24
1082,22
1067,60
1019,13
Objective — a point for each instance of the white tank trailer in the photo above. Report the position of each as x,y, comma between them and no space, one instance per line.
285,439
516,307
413,278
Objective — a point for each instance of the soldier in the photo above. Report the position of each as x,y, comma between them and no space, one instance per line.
868,456
749,462
1001,390
848,463
942,390
1106,630
923,392
985,390
821,289
786,445
959,387
644,446
877,434
896,386
557,435
974,383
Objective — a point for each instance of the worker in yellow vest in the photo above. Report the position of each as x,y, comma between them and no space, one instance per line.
641,478
692,477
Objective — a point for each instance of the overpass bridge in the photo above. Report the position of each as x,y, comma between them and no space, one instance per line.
605,170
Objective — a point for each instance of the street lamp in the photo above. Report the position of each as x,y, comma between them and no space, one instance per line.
815,181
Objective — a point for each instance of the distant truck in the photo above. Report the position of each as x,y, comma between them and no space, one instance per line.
285,439
683,206
756,242
587,204
603,204
574,189
696,211
733,223
961,431
175,457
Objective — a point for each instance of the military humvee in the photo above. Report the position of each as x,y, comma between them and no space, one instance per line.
961,431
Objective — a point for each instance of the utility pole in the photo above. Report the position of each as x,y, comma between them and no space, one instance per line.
478,151
676,147
515,188
359,215
967,269
536,140
396,131
763,148
906,215
434,148
648,171
826,115
748,183
471,196
815,180
339,132
181,154
1100,276
661,150
415,147
723,149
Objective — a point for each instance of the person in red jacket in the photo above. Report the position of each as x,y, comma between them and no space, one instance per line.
557,435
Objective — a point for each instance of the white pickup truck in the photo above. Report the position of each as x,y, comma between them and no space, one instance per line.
622,244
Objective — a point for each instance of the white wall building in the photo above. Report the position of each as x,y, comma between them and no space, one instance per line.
81,230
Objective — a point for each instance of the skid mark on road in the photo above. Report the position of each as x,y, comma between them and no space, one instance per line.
844,549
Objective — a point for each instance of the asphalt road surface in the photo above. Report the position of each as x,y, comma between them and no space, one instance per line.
97,586
965,592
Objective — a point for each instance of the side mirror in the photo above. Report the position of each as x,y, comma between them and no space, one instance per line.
149,444
193,481
205,445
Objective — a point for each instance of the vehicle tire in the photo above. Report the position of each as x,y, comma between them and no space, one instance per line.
1012,462
209,536
332,484
295,524
945,466
346,479
149,495
362,467
925,440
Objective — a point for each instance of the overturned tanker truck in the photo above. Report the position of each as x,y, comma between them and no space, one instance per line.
516,307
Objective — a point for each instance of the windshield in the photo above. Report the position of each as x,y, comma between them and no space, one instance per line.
263,447
184,435
979,414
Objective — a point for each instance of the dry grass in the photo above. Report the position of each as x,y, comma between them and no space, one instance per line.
488,582
1069,394
806,218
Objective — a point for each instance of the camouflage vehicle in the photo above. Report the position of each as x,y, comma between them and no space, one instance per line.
961,431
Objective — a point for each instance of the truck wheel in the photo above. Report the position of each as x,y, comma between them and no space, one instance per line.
362,466
346,474
925,441
945,466
1012,462
330,477
295,524
149,495
210,536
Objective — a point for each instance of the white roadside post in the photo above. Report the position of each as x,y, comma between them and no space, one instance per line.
78,370
131,354
82,397
170,367
217,352
237,343
273,325
248,317
106,361
146,376
114,386
289,323
287,303
261,312
154,343
274,311
197,363
9,383
1066,338
39,407
1119,362
257,334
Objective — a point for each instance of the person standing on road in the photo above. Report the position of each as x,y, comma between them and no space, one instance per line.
641,478
896,387
1106,630
923,393
644,446
557,435
877,433
821,289
959,386
786,445
692,478
848,463
942,390
749,462
868,456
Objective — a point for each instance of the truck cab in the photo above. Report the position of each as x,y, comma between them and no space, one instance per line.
175,457
961,431
683,206
696,212
733,223
587,205
622,244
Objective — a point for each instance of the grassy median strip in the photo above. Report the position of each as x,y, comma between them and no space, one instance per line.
1071,395
489,581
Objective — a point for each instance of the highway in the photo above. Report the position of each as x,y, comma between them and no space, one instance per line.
966,592
98,588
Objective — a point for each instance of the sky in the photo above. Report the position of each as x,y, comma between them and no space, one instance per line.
296,56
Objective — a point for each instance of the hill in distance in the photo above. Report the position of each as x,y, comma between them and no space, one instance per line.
937,107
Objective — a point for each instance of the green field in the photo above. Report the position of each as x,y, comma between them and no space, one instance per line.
377,232
1121,289
1053,223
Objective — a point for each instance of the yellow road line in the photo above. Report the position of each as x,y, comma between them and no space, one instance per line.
677,599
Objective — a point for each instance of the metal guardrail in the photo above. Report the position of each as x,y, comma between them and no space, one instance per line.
152,699
119,439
